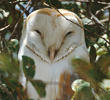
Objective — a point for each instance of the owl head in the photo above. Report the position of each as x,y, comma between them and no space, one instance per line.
52,35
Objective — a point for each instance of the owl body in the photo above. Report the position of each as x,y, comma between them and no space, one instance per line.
52,42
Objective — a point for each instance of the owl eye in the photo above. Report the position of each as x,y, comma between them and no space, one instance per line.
38,32
67,34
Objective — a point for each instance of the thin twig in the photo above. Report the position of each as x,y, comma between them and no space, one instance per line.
104,20
62,14
19,21
103,38
95,18
16,2
108,26
2,29
23,8
97,21
103,9
103,2
69,19
92,1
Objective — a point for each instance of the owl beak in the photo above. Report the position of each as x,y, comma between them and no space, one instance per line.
51,53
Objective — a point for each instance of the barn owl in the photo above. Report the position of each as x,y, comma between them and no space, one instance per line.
52,42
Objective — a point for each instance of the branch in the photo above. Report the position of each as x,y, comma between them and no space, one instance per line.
97,21
104,20
92,1
24,9
14,30
16,2
103,2
101,10
94,18
2,29
108,26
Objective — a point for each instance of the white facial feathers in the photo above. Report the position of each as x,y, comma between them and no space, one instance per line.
51,36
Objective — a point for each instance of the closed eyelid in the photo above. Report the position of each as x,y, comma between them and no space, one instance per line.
38,32
68,33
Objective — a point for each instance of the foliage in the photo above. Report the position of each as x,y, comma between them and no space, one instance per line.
29,71
96,20
40,87
10,88
82,89
94,74
28,67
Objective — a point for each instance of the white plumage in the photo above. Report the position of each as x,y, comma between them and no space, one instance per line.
52,41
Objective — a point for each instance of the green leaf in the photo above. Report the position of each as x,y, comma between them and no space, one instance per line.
87,71
28,66
9,65
40,87
104,63
82,68
10,19
83,90
96,74
13,45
